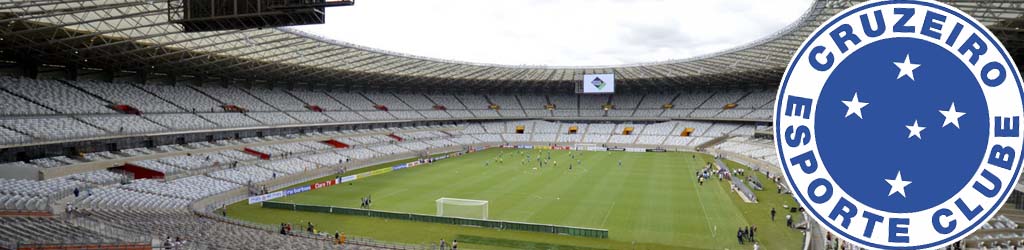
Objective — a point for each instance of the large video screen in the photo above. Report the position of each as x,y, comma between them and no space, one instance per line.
598,83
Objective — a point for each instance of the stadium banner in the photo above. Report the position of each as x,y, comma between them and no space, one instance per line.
659,150
296,190
266,197
598,83
543,147
381,171
347,179
615,149
597,149
636,150
404,165
324,184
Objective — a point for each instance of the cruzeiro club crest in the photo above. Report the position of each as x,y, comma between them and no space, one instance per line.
898,124
598,83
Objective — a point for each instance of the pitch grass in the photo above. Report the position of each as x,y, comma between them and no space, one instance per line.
652,202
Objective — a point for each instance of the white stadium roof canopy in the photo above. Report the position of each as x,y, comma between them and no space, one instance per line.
135,35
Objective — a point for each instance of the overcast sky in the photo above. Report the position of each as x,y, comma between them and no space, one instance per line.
558,32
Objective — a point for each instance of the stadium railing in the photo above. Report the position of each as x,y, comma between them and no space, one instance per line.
207,212
504,225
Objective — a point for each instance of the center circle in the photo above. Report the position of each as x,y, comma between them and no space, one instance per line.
862,152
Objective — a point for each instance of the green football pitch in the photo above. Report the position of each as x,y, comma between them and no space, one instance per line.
653,201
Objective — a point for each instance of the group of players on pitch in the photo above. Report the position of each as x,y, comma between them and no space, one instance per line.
541,159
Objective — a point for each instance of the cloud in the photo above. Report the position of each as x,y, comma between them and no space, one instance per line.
558,32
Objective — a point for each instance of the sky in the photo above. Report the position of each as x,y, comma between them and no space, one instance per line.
558,32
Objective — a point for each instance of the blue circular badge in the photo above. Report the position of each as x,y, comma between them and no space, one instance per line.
897,124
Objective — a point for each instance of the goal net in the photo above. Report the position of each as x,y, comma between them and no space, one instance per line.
463,208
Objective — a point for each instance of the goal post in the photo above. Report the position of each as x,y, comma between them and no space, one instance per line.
462,208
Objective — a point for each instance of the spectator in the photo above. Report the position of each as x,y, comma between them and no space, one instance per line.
76,192
442,245
789,221
773,214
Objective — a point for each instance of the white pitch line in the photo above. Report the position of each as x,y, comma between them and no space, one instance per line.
702,209
606,214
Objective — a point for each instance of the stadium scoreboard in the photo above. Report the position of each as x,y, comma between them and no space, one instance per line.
212,15
596,84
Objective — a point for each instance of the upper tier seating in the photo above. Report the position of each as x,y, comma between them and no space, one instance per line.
181,121
279,99
564,101
460,113
272,107
448,101
388,100
533,101
237,97
319,99
353,101
626,101
345,116
435,114
184,96
720,99
474,101
272,118
56,95
230,120
593,101
656,101
52,128
648,112
691,100
416,101
125,93
756,99
506,102
13,105
8,137
310,117
123,124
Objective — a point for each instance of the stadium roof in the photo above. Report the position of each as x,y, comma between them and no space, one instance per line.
135,35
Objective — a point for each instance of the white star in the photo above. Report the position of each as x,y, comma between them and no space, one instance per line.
915,131
906,68
952,117
898,185
854,106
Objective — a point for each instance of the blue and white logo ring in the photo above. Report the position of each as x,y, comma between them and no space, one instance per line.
897,124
